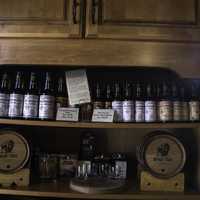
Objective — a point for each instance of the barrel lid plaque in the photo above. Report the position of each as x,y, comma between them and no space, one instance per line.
164,156
14,151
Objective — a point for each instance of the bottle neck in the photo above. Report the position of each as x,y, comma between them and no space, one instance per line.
33,86
19,85
138,92
61,90
128,91
117,95
48,86
5,83
108,93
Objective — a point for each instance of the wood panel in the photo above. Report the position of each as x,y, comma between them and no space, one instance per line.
181,57
143,20
41,18
26,10
151,11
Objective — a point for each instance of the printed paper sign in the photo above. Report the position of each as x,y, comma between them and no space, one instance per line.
77,87
103,115
67,114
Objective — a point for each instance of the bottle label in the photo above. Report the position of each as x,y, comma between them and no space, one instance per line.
30,106
61,102
165,111
177,110
98,105
185,111
16,105
128,111
150,111
4,104
46,107
117,106
108,105
139,111
194,107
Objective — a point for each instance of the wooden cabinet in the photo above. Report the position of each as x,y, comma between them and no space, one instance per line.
169,20
41,18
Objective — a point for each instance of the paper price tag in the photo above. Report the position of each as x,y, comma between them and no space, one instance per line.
77,87
67,114
103,115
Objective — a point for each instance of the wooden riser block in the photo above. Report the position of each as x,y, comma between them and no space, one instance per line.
151,183
20,178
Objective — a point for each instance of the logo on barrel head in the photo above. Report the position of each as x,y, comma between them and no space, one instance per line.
7,146
163,150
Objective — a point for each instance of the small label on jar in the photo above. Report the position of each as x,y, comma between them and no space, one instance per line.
139,111
30,106
98,105
117,106
177,111
46,107
185,111
128,111
150,111
61,102
16,105
108,105
4,104
165,111
194,107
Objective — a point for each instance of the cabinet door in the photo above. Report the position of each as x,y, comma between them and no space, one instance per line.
40,18
175,20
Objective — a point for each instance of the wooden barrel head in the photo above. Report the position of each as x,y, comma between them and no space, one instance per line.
164,155
14,151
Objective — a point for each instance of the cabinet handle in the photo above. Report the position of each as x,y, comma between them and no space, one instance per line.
75,6
95,4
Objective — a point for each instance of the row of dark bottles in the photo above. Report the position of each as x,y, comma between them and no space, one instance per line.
28,99
31,97
149,101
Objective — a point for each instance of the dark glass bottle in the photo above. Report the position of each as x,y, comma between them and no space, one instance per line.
150,103
17,97
139,103
185,104
128,103
165,104
117,104
47,99
86,154
31,98
176,103
61,92
194,104
4,95
87,146
98,102
108,98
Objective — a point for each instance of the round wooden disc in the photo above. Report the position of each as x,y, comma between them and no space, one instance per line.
96,185
14,151
164,156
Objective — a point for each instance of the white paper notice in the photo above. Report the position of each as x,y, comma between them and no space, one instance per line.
67,114
77,87
103,115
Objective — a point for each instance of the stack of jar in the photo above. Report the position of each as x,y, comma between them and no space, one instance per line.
149,102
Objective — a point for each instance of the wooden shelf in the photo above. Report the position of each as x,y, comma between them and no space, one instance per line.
96,125
61,190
